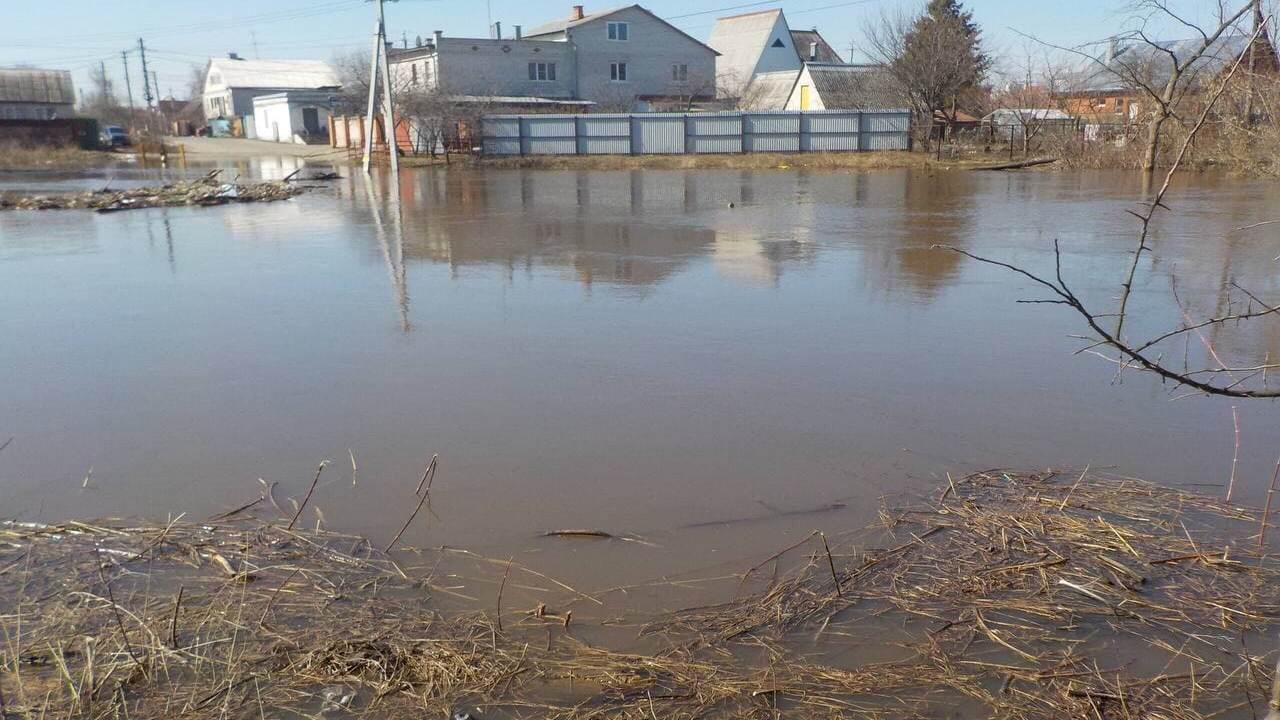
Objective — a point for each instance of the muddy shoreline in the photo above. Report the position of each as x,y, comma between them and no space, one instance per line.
1010,594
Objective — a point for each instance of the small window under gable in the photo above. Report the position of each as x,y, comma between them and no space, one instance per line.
618,31
778,43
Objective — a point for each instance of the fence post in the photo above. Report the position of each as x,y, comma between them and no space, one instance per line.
686,133
520,125
631,134
1010,142
800,131
576,135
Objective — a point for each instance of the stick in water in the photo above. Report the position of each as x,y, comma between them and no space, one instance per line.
1235,456
310,490
501,587
1266,512
427,478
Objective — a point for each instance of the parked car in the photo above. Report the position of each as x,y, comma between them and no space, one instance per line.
115,136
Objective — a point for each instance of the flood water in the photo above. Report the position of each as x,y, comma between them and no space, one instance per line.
611,350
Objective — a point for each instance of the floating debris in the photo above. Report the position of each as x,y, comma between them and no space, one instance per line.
205,192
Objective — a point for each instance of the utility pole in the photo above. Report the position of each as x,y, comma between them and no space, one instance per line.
379,63
146,76
105,89
128,86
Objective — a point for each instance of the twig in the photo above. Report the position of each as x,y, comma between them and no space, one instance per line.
1266,512
310,490
173,624
831,563
1235,456
503,586
428,478
353,467
115,610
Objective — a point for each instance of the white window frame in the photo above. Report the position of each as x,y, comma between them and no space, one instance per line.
542,71
618,31
618,72
679,72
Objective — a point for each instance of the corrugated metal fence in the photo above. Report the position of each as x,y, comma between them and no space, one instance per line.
697,133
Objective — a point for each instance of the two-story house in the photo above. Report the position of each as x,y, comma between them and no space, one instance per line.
621,59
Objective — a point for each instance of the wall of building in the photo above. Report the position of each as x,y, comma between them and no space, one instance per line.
35,111
281,120
475,66
651,49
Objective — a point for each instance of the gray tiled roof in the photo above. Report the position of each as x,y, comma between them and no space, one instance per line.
826,54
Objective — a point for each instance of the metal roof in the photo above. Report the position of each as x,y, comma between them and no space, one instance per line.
854,87
26,85
743,41
303,74
1015,116
1129,60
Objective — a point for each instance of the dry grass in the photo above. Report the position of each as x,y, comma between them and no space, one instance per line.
18,157
1019,596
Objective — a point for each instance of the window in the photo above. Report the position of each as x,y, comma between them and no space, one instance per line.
1119,106
618,31
679,73
414,70
618,72
542,71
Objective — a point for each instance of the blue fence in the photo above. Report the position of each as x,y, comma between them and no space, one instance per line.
697,133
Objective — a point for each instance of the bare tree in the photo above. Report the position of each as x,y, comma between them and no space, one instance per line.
1149,354
935,56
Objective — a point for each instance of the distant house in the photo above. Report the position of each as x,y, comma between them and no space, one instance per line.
752,44
30,94
823,86
232,83
765,65
1107,89
624,58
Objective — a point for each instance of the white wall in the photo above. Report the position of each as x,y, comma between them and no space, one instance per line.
281,121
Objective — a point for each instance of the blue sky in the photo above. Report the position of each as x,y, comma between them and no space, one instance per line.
77,34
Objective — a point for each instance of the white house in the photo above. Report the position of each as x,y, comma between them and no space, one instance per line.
623,58
232,83
752,44
293,116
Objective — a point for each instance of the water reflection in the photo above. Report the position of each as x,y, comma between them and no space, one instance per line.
622,349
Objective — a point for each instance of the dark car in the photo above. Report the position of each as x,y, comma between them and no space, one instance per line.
115,136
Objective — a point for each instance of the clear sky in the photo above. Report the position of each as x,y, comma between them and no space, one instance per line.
77,34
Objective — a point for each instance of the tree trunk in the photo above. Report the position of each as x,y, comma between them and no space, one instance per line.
1152,149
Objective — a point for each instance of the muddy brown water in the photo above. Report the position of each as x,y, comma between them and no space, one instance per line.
620,351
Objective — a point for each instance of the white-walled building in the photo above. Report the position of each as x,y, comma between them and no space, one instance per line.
294,116
752,44
623,58
232,83
823,86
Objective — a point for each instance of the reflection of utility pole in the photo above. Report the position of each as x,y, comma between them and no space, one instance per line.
379,69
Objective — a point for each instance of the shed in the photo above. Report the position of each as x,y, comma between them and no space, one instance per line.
294,116
826,86
30,94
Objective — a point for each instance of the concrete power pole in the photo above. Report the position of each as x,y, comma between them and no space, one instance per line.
128,86
379,68
146,75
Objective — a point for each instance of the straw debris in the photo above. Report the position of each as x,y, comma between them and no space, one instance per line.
1011,595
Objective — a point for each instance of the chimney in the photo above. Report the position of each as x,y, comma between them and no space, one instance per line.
232,56
517,31
813,51
437,35
577,13
1113,49
496,31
